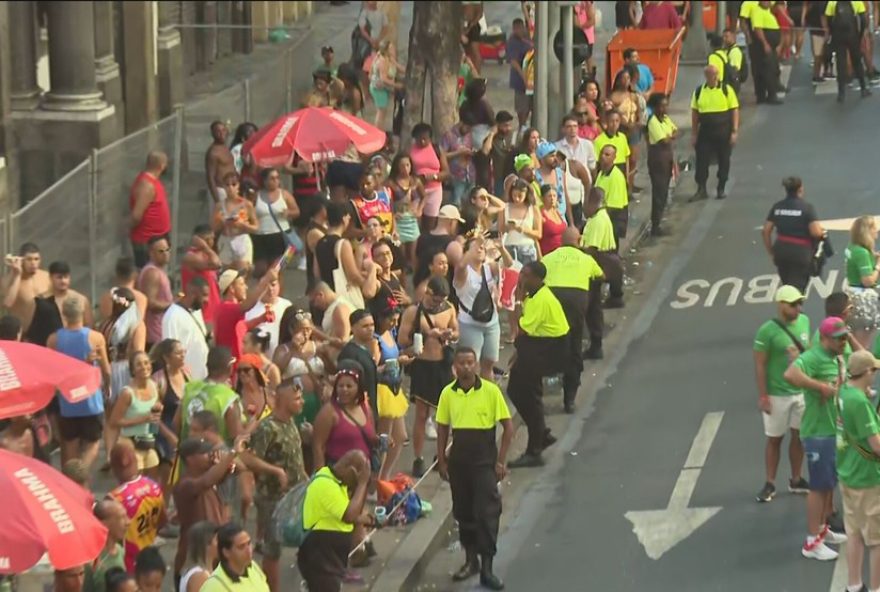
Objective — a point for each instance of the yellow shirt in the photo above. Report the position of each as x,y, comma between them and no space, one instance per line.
714,99
718,59
569,267
660,129
619,141
254,580
614,185
542,315
745,11
858,7
735,55
325,503
763,18
479,408
599,232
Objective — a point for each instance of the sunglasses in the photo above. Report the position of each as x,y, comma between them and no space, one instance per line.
797,304
302,315
247,369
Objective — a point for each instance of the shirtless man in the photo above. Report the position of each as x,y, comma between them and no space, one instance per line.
126,275
218,160
59,290
24,282
435,319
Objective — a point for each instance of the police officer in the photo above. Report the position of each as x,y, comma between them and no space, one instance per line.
715,122
470,407
797,227
541,344
572,276
765,39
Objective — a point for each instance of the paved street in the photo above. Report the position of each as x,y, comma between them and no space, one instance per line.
694,359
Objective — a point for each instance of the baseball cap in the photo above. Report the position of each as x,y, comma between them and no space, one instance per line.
860,362
521,161
833,327
450,212
788,294
193,446
545,149
226,279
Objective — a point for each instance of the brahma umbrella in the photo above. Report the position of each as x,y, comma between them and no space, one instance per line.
44,512
30,375
317,134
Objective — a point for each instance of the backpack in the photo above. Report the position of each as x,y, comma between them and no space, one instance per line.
844,25
483,308
288,517
743,72
731,74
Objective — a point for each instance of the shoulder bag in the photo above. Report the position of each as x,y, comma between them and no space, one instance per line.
343,287
797,342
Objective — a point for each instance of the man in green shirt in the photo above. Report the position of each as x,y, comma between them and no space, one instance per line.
858,467
819,371
212,394
838,304
778,342
113,515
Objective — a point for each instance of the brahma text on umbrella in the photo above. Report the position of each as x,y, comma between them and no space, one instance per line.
760,289
8,377
48,500
278,140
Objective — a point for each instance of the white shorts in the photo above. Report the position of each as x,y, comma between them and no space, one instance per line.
785,414
235,249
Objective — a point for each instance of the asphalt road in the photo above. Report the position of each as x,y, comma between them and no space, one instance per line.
691,356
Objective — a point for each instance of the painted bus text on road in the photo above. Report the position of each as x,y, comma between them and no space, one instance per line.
760,289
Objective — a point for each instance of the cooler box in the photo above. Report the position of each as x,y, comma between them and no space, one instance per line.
659,49
493,44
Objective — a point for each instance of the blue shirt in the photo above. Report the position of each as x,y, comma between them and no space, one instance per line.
516,51
646,78
75,343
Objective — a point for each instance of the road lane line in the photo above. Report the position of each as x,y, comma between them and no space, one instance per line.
841,572
703,440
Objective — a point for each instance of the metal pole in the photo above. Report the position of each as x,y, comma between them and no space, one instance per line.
175,185
542,65
247,99
567,55
721,23
694,49
93,225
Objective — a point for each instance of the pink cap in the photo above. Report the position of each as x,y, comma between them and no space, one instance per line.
833,327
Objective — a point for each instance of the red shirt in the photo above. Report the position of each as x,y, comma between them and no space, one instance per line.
156,220
551,237
660,16
229,326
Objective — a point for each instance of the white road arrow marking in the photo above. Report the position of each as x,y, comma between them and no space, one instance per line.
660,530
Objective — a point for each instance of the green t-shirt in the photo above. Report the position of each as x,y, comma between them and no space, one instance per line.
859,263
859,421
820,417
214,397
847,347
95,572
781,351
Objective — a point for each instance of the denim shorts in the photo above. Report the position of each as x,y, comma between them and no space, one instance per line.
523,253
483,339
821,453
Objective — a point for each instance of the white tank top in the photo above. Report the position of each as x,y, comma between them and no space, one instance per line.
515,237
573,186
468,293
327,321
264,218
184,581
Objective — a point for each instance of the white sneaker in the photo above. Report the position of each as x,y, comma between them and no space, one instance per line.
819,551
834,538
430,429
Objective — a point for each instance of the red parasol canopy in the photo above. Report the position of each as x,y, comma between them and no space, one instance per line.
44,512
30,375
315,133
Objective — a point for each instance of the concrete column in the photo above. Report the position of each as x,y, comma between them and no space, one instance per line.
555,108
72,79
291,11
106,68
22,38
305,9
170,62
224,33
260,15
206,37
276,14
242,39
140,69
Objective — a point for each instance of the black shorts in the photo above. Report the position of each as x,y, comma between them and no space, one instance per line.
427,379
345,174
89,428
268,247
308,205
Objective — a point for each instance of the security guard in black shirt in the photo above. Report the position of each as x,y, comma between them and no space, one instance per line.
471,407
715,123
797,229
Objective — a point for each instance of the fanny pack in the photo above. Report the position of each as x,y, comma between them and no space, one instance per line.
144,443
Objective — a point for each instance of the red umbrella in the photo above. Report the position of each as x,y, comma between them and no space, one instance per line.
44,512
30,375
315,133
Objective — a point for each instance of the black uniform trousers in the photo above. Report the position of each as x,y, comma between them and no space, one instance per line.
660,163
536,357
574,303
619,221
713,142
765,65
794,263
848,47
612,267
476,505
595,315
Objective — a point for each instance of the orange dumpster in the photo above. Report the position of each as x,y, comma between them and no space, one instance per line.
659,49
710,15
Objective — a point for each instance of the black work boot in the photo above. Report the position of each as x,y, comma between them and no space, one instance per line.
701,193
487,578
470,568
721,194
595,350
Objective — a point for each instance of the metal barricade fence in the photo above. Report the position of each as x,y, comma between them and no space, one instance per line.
271,95
61,222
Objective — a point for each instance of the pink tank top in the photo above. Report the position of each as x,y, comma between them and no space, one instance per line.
425,162
153,319
346,436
